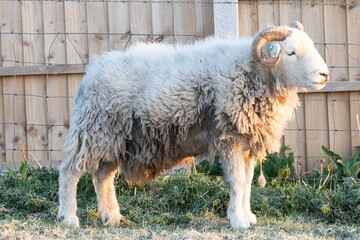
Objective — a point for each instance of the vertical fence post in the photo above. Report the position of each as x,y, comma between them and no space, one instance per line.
226,18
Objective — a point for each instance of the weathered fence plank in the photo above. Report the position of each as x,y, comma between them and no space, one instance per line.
353,36
162,21
184,22
336,55
76,44
295,139
11,51
119,23
55,53
140,21
315,103
204,19
34,52
248,20
97,19
2,127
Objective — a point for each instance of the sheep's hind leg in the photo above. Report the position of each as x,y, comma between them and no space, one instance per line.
235,174
68,180
108,207
249,173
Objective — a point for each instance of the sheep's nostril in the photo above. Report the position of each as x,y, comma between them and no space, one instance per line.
324,74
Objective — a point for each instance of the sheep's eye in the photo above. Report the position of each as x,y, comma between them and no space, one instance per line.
291,53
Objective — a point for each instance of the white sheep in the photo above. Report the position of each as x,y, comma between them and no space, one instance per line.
147,109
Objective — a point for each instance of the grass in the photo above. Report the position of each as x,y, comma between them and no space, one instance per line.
325,206
179,207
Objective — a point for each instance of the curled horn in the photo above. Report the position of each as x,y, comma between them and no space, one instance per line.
267,35
298,25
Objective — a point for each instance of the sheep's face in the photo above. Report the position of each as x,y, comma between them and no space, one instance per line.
300,64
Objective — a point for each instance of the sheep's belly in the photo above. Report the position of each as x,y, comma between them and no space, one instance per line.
194,145
140,168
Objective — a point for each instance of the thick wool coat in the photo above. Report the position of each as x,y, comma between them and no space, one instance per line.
152,106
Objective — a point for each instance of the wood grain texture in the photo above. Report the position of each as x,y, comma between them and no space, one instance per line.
34,51
184,22
316,120
98,28
76,44
119,23
14,106
336,55
295,139
353,36
336,32
248,20
2,127
354,109
140,21
204,19
41,70
56,85
162,21
267,14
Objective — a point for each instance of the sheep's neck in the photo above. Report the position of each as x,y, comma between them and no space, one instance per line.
263,108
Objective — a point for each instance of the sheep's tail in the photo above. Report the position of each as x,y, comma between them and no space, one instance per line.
78,157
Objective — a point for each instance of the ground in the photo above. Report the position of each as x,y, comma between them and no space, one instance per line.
179,206
208,227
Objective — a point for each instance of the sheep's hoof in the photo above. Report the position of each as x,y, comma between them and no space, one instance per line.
239,222
69,220
251,217
111,219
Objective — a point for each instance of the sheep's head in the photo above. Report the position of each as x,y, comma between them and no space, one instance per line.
291,53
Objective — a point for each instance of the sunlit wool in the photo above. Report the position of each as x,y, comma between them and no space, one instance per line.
147,109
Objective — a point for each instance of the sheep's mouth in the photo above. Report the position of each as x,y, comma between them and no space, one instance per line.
321,83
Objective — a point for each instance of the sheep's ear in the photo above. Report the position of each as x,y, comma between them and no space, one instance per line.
298,25
274,50
271,50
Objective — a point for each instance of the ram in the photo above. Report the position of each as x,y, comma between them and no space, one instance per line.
147,109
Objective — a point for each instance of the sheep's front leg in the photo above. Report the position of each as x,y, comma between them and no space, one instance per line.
235,175
108,207
68,180
249,174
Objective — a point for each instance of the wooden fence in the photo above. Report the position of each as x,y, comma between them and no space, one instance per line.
45,46
40,38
